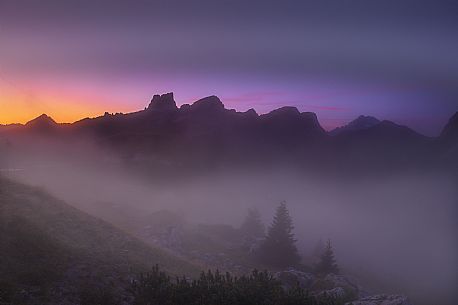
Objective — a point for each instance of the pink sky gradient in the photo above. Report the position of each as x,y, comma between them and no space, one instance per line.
68,99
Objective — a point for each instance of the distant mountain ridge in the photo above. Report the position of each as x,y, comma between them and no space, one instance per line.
165,103
205,133
360,123
450,131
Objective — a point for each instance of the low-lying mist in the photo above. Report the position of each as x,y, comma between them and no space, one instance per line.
393,232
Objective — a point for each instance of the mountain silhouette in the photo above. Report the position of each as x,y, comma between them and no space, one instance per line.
163,103
450,131
360,123
205,134
448,143
43,122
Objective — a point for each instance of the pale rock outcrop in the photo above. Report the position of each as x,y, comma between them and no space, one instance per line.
337,293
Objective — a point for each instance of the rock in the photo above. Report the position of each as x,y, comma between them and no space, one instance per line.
382,299
337,293
291,278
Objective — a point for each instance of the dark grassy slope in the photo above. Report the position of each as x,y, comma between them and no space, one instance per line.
45,242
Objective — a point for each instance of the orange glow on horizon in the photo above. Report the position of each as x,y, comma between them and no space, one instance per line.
21,108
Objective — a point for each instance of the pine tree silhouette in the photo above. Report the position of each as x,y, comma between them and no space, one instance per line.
327,262
279,248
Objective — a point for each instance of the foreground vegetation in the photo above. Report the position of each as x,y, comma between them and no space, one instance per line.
52,253
259,288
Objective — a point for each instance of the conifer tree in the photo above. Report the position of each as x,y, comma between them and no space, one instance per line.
327,262
279,248
252,226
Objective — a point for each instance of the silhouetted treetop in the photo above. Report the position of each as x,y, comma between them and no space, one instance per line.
327,262
279,248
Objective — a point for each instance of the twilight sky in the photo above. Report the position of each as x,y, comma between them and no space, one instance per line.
71,59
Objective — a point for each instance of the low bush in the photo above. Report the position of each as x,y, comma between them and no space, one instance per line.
214,288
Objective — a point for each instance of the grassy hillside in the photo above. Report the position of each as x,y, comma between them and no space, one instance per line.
46,243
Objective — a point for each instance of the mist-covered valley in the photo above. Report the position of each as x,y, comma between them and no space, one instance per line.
399,231
391,216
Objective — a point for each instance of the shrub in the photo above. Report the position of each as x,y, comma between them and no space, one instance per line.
214,288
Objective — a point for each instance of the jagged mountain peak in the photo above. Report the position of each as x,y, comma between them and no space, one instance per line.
289,120
312,121
451,128
289,114
365,120
387,130
41,121
250,113
284,111
209,103
164,103
311,116
360,123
